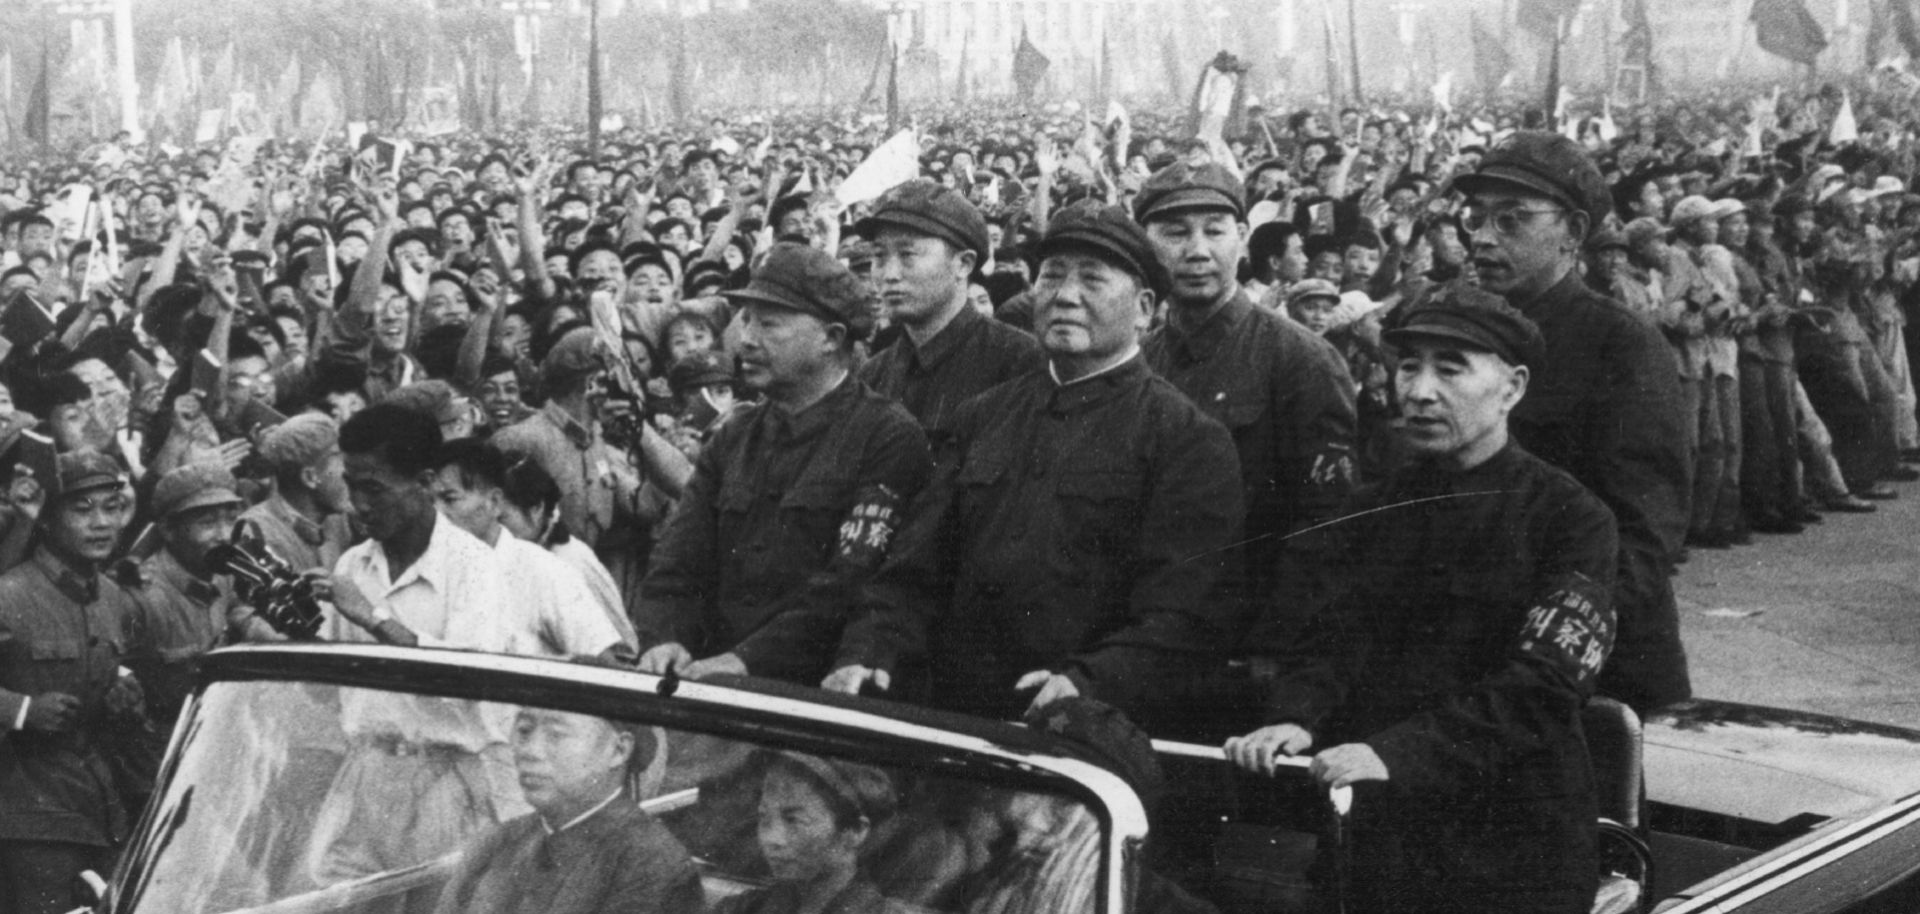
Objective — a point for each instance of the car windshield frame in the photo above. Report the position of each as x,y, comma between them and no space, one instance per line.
772,715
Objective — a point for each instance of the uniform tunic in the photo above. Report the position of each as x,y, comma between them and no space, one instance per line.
1604,405
1470,625
61,631
783,519
291,535
182,617
1080,529
1286,396
971,354
618,859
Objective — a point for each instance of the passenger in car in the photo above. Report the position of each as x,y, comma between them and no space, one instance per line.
816,815
587,846
1472,616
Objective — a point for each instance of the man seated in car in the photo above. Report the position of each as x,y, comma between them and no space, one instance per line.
587,846
815,818
1471,615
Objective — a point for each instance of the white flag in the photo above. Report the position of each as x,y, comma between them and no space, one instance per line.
893,163
1443,92
1845,129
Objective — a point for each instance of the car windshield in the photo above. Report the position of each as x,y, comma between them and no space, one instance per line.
303,797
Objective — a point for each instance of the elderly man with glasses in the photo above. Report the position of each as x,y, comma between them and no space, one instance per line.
1605,403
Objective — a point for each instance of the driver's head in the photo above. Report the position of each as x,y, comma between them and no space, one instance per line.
569,763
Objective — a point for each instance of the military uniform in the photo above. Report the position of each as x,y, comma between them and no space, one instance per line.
1468,627
972,352
297,538
787,513
181,616
1473,629
1081,530
1605,405
66,797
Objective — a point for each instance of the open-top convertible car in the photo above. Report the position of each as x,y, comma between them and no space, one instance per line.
368,780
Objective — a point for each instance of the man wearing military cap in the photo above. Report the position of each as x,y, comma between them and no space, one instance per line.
1468,619
1283,392
928,241
1606,402
65,630
184,609
793,504
1071,544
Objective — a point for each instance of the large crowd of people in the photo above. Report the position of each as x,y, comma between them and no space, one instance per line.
1376,432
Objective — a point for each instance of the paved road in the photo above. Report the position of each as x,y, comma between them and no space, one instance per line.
1827,620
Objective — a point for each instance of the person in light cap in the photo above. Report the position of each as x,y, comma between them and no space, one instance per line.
186,608
1444,677
1284,393
793,504
928,242
1716,521
63,705
1607,405
1095,462
304,519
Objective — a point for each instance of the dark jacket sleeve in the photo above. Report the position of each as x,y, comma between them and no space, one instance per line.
811,621
1314,399
894,608
676,598
1550,668
1188,523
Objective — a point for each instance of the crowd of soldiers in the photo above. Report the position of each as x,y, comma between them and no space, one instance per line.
1362,434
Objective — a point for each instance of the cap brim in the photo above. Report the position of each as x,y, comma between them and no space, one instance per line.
1451,334
1106,250
1191,199
89,483
208,499
914,222
763,296
1501,177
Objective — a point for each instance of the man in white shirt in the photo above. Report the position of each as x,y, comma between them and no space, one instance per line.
554,614
421,775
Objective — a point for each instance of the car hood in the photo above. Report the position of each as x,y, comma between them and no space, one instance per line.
1770,765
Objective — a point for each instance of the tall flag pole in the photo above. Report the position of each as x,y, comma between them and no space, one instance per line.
1353,49
1553,75
893,87
594,100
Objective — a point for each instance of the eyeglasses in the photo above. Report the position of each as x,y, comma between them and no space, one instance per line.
1506,220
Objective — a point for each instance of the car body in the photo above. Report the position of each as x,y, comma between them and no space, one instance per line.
257,789
1750,809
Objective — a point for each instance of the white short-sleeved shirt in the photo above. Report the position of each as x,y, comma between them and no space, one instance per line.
453,596
552,612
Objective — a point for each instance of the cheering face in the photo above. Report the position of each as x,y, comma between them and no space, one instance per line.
446,304
500,398
1453,401
1088,309
601,270
1201,250
87,524
394,314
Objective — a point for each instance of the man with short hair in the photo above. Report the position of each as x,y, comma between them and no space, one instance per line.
793,504
1606,402
587,846
1469,621
418,580
554,613
1075,533
1282,391
927,242
65,629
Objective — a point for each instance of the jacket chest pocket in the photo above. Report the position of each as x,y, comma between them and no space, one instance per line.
61,664
1099,509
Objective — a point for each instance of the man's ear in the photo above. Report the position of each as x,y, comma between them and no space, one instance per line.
1519,379
1145,303
1578,223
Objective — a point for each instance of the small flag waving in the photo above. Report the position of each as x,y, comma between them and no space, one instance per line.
1029,66
891,164
1845,128
1784,28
